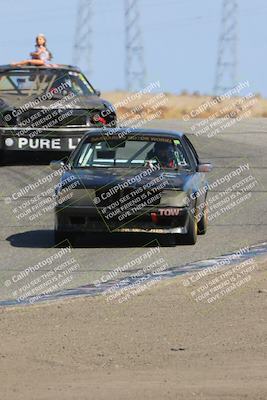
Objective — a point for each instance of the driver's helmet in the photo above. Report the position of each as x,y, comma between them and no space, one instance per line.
165,154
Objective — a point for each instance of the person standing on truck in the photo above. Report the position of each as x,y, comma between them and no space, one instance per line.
41,56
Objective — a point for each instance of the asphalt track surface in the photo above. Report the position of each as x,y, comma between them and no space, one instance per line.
24,243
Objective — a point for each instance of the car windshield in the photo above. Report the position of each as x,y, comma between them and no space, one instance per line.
39,81
135,151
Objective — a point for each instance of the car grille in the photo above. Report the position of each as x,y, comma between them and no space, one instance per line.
39,118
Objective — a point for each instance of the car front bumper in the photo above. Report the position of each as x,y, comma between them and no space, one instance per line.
90,219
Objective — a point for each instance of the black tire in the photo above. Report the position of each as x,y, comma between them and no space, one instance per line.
202,225
190,237
63,239
2,160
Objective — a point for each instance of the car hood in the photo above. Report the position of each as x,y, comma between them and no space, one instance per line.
107,177
76,102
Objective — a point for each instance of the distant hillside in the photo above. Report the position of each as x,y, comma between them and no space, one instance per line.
169,106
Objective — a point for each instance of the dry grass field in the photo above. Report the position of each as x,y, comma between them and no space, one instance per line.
184,106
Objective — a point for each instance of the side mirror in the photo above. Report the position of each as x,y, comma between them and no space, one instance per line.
55,165
98,93
207,167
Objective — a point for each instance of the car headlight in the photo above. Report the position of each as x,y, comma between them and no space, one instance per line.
173,198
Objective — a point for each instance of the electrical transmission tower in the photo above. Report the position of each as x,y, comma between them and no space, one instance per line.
226,68
135,65
82,51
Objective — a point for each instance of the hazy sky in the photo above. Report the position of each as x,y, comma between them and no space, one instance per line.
180,39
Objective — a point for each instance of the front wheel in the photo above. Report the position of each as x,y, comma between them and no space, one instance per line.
190,237
63,239
202,225
2,161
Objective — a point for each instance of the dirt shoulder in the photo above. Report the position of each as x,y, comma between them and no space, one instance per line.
161,344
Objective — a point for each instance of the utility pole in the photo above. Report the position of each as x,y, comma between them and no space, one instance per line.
226,68
82,50
135,65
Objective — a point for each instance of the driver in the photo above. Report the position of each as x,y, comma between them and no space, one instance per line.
164,154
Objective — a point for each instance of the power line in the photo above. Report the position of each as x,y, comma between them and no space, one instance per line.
135,65
226,68
82,50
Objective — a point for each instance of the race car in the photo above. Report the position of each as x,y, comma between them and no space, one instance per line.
48,109
132,180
